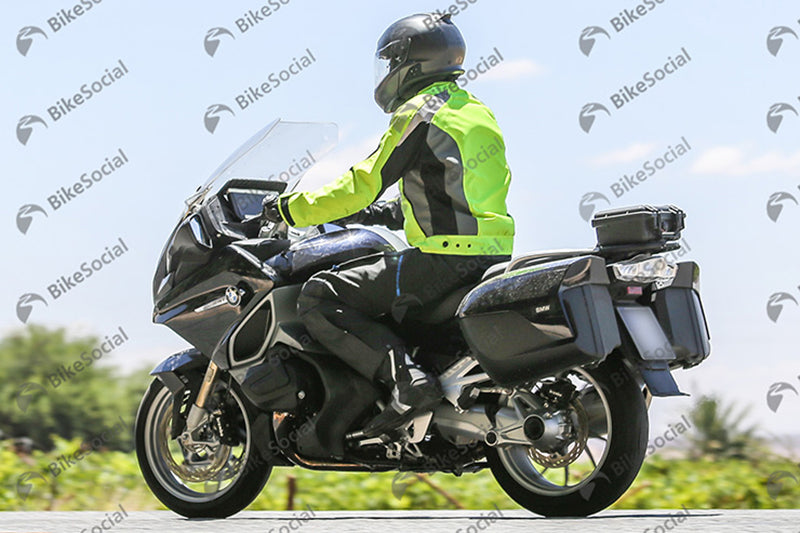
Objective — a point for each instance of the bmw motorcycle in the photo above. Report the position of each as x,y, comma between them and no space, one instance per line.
547,365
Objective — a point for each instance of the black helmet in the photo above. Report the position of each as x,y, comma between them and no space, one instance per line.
413,53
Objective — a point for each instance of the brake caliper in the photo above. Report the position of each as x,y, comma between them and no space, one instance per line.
557,394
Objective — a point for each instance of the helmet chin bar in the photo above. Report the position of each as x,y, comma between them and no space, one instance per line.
421,51
387,93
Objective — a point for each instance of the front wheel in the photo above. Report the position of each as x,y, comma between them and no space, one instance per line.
214,476
593,456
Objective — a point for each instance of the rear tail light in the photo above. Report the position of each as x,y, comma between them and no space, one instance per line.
656,269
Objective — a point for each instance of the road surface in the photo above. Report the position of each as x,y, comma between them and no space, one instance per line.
697,521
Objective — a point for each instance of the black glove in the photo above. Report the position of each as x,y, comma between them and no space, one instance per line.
271,212
388,214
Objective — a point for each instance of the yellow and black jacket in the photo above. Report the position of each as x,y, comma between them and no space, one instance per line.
445,148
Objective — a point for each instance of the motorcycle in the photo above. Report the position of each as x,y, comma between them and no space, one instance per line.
548,365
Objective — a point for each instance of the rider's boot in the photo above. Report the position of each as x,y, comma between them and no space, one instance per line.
413,392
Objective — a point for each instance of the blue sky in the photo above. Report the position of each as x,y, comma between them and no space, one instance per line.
718,102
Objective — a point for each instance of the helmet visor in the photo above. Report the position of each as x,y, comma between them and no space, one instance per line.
382,69
388,58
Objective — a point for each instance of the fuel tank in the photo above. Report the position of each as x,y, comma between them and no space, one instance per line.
225,300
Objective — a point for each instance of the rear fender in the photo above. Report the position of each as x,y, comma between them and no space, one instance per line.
646,346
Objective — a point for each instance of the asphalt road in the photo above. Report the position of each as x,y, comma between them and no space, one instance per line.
699,521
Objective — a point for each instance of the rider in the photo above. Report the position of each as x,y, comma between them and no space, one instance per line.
446,150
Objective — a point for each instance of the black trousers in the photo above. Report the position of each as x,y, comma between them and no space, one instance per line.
340,306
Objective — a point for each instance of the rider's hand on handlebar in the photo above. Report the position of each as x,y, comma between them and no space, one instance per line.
271,212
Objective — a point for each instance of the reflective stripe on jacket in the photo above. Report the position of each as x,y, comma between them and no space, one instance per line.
445,148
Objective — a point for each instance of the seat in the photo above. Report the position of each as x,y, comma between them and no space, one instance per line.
442,311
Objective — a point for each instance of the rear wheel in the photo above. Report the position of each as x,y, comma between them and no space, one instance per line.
599,445
216,475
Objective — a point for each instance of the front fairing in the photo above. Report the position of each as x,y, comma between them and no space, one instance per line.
227,207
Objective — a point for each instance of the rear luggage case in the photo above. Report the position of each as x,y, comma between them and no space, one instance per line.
541,320
640,224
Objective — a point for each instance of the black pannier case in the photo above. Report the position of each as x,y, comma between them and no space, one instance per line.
639,224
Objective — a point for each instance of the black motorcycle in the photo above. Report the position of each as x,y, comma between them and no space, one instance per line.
547,365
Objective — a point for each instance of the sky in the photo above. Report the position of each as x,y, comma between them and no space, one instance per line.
723,83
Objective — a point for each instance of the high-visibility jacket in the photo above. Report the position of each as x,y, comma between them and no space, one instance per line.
445,148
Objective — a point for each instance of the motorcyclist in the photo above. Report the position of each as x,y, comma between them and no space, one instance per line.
445,149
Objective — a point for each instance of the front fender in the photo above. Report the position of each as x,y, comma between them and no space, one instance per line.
170,369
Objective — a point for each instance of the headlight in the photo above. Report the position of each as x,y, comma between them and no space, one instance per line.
656,270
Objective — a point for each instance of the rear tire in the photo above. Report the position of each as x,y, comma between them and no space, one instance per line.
160,474
613,474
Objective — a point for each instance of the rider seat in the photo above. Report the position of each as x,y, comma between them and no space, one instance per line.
440,312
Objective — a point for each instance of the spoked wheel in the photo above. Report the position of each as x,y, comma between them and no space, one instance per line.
592,429
215,474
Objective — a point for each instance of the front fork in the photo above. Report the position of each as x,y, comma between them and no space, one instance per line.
197,413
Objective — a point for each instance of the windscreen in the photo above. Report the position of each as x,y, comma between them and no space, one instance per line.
282,152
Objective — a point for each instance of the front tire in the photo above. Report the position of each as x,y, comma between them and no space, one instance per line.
184,480
538,489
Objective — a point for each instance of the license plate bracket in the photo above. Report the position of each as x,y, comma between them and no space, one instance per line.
649,338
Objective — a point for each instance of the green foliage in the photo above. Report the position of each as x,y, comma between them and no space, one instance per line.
82,407
61,418
103,480
710,484
719,431
100,480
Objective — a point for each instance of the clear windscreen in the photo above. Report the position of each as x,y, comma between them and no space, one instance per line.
281,153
